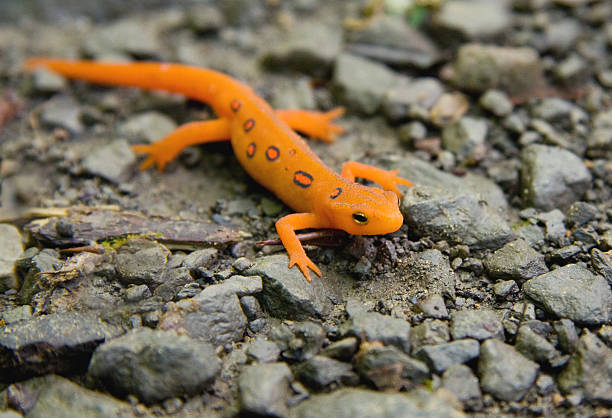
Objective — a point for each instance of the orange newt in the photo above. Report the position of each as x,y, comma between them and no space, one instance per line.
266,146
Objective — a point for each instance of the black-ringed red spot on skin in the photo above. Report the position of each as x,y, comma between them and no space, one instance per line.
272,153
251,148
248,125
302,179
235,105
336,193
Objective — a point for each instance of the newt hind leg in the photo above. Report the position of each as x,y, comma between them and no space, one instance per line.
313,123
165,150
388,179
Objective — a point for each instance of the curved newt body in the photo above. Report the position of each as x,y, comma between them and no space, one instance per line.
266,146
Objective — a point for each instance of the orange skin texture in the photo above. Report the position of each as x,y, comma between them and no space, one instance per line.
265,144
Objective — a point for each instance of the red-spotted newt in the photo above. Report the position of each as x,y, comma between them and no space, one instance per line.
266,146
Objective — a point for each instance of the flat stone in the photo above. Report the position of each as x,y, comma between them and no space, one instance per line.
480,324
504,372
572,292
286,293
361,403
111,162
56,343
552,177
372,326
264,389
517,261
11,249
440,357
154,365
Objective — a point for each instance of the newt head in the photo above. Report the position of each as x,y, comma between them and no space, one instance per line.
363,210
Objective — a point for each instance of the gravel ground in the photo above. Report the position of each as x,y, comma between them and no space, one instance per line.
494,298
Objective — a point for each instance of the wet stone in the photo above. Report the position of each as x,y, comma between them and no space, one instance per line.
552,177
589,372
440,357
264,389
11,249
466,139
320,372
111,162
263,351
460,380
372,326
342,349
429,332
56,343
517,261
154,365
148,127
433,306
480,324
386,367
432,270
572,292
504,372
286,293
62,112
361,403
141,262
57,397
361,84
472,20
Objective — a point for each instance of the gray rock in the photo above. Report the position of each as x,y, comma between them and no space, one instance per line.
483,67
286,294
552,177
204,18
147,126
56,343
360,403
457,219
343,349
581,213
479,19
361,84
480,324
599,142
111,162
560,36
173,282
566,335
131,35
141,261
572,292
57,397
440,357
515,260
505,288
386,367
263,351
602,263
153,365
497,102
504,372
399,102
558,111
62,112
554,221
17,314
392,40
307,339
11,249
137,293
433,306
429,332
235,285
372,326
30,265
535,347
310,47
466,139
460,380
251,307
589,372
48,82
320,372
264,389
432,270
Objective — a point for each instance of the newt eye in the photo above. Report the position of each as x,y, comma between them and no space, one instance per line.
360,218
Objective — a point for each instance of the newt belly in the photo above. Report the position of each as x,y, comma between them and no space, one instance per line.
266,145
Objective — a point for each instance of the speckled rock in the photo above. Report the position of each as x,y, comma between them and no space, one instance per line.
56,343
504,372
440,357
361,84
589,372
572,292
432,270
516,260
552,177
286,294
360,403
460,380
264,389
10,250
154,365
372,326
53,396
480,324
320,372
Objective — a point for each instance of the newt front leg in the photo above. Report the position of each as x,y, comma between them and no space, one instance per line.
388,179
